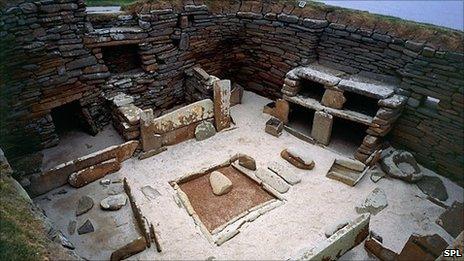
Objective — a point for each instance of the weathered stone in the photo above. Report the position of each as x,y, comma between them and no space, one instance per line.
334,227
236,94
150,140
222,104
286,173
204,131
433,186
372,90
374,203
333,99
62,239
274,127
322,127
87,227
132,248
130,113
271,179
220,183
351,164
377,249
316,75
246,161
90,174
150,192
281,110
72,227
122,99
402,165
394,102
451,220
114,202
376,174
422,248
294,157
84,205
192,113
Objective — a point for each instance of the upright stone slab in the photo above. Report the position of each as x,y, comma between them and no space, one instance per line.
150,141
322,127
222,104
281,110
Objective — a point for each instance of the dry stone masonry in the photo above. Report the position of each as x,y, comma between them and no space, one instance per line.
56,54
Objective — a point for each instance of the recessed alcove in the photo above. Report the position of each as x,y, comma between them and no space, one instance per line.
67,118
360,103
301,119
122,58
347,135
311,89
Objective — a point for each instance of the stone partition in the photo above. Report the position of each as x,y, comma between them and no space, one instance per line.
54,54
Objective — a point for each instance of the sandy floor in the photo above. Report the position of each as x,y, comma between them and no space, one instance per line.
76,144
310,206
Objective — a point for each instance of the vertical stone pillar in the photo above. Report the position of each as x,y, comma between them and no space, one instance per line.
322,127
222,104
150,140
281,110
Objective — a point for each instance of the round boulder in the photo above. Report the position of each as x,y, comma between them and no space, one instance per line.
204,131
220,183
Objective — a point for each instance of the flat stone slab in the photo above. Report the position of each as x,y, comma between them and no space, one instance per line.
87,227
374,203
393,102
433,186
317,76
204,131
451,220
197,111
286,173
114,202
273,180
372,90
150,192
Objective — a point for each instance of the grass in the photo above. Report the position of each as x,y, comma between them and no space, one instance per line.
109,2
19,237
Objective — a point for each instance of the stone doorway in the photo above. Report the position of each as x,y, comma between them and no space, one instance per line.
71,117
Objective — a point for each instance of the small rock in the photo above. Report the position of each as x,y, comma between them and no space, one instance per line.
115,190
433,186
376,175
374,203
87,227
62,239
85,204
270,178
247,162
220,183
333,228
204,131
72,227
286,173
274,127
297,158
105,182
114,202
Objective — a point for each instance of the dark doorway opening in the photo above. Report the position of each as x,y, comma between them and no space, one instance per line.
347,136
69,117
122,58
301,119
359,103
311,89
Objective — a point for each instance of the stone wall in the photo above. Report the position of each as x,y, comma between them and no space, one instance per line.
56,52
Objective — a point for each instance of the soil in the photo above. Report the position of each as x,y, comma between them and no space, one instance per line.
216,210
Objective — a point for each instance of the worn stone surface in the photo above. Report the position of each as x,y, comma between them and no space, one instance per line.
372,90
287,174
150,140
350,163
281,110
378,250
272,179
130,249
298,157
274,127
433,186
334,227
333,99
374,202
150,192
204,131
220,183
246,161
376,174
451,220
114,202
86,227
84,204
222,104
322,127
90,174
402,165
422,247
72,227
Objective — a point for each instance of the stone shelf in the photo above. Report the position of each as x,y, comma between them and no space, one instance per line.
315,105
373,90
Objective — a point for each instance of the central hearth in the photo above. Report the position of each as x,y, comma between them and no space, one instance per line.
339,110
